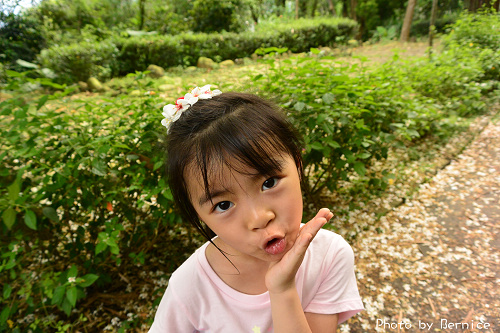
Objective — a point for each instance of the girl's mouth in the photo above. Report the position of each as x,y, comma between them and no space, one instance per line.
276,246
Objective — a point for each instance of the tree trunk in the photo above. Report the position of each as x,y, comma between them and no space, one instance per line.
142,11
474,5
296,9
433,22
345,8
354,3
281,6
313,9
255,12
331,7
303,8
405,31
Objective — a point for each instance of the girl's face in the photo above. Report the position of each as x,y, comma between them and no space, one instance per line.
254,216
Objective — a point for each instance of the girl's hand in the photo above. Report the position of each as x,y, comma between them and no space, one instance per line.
281,274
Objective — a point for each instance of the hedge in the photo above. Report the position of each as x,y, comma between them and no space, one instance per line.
120,56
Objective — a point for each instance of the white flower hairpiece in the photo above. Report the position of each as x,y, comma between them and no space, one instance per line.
172,112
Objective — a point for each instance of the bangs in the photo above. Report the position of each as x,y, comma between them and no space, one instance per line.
241,147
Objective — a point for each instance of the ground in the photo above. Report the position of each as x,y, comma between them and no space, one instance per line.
436,265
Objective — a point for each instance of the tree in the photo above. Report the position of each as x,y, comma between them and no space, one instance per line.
331,7
433,21
142,13
474,5
405,30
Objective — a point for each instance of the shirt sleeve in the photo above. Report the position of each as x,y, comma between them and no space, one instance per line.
338,291
172,315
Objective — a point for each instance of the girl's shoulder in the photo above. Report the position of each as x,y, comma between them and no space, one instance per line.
329,241
327,250
190,271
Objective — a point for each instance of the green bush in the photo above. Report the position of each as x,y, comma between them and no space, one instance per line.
347,116
216,15
479,30
81,192
121,56
78,62
479,33
421,27
20,38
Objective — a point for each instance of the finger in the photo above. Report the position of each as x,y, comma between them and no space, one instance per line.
317,222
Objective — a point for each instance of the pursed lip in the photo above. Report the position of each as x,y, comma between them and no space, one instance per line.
270,238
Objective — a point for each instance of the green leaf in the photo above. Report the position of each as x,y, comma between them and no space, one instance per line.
26,64
328,98
132,157
50,213
340,164
4,315
317,146
315,50
299,106
333,144
114,249
88,280
100,247
30,219
66,306
7,290
73,271
258,77
48,73
42,101
359,168
99,168
364,156
157,165
58,295
71,294
121,145
14,190
9,217
14,74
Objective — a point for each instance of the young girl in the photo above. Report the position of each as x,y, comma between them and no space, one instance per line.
234,168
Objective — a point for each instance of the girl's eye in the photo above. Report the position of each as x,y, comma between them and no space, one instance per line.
223,206
270,183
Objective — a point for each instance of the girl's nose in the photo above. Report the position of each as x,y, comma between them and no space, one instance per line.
260,216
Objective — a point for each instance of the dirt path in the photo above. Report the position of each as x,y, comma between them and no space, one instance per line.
436,266
383,51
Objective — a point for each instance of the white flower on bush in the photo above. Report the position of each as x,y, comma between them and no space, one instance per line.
71,279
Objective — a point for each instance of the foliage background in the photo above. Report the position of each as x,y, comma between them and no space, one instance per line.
82,197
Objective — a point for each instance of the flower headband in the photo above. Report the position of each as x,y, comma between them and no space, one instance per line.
172,112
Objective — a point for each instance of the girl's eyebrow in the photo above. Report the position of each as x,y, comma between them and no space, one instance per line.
211,195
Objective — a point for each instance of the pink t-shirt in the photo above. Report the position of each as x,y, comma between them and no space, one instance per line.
197,300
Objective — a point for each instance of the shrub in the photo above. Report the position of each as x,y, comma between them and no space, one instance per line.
347,116
78,62
479,33
80,192
216,15
481,29
421,27
122,56
20,38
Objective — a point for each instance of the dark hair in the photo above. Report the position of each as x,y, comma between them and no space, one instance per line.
226,128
